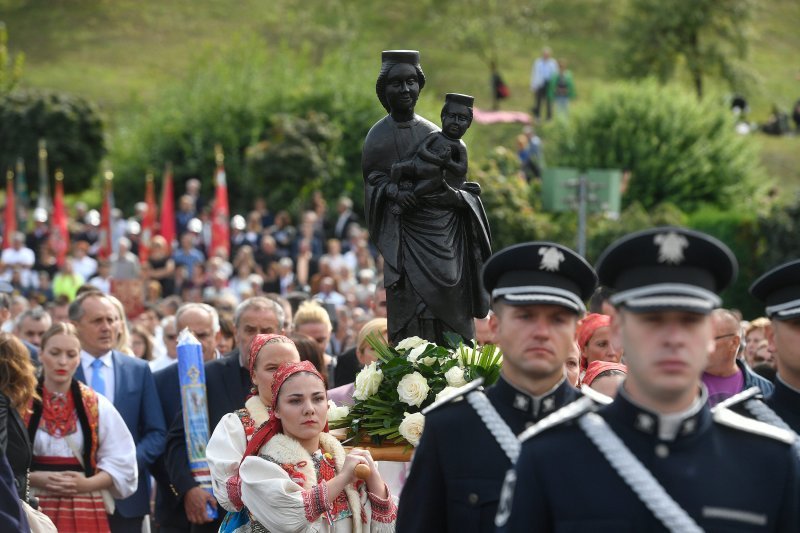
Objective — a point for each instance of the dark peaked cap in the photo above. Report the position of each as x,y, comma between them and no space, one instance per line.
539,273
457,98
780,290
400,56
667,268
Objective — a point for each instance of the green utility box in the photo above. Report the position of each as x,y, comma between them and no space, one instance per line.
560,190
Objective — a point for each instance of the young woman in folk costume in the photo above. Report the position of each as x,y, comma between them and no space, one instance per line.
81,446
275,466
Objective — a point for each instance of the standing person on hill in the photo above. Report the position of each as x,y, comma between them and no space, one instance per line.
544,68
561,88
537,292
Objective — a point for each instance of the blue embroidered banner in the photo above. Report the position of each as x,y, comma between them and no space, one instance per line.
195,408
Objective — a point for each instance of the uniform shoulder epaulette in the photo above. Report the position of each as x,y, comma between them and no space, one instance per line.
475,384
736,399
726,417
569,412
596,396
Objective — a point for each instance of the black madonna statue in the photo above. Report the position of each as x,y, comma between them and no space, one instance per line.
434,239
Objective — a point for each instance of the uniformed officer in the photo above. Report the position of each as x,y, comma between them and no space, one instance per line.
538,291
780,290
656,458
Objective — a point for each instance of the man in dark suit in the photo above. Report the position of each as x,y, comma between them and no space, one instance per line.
227,386
345,219
538,291
202,321
128,383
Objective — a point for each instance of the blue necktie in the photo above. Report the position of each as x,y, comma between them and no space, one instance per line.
98,383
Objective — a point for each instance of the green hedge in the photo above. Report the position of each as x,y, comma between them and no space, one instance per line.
678,149
71,125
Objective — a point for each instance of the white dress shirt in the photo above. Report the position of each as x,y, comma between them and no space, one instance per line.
107,369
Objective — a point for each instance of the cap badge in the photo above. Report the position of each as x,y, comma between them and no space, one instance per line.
671,247
551,258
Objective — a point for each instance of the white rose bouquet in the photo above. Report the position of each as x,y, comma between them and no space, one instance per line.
390,393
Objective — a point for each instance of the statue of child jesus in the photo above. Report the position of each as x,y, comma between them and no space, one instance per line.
441,157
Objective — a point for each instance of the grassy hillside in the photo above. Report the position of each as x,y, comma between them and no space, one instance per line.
119,53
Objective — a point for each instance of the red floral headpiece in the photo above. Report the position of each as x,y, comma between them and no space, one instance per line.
261,340
598,367
273,426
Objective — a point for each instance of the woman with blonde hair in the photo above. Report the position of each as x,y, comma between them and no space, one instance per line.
365,353
17,392
83,453
123,343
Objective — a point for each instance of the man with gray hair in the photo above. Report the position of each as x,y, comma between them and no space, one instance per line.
725,375
228,383
30,325
124,265
202,321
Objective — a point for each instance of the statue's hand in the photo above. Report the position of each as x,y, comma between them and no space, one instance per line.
448,197
406,200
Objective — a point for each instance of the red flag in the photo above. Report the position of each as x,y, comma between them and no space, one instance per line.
220,230
106,239
11,211
167,225
148,221
59,234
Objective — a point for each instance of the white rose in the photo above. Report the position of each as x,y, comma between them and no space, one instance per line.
367,381
429,361
445,391
417,351
413,389
336,412
411,427
455,377
410,342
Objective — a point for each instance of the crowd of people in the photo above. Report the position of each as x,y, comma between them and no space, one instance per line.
92,406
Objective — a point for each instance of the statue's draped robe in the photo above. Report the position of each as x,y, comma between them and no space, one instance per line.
433,255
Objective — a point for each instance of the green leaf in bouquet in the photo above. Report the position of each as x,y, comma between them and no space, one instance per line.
453,339
383,351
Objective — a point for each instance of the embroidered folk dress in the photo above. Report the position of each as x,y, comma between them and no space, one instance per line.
282,489
112,450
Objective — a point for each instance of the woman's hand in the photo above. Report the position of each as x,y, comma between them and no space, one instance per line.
59,483
375,483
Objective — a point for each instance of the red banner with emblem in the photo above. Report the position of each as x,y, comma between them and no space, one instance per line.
220,229
148,220
167,220
11,212
59,234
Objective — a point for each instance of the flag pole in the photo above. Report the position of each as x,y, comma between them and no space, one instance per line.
44,195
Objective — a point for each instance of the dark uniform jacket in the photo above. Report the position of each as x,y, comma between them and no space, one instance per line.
458,468
785,401
726,478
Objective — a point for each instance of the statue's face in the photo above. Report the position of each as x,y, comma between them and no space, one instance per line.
455,120
402,87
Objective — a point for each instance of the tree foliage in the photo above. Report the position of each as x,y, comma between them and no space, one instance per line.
71,126
10,67
677,148
267,107
708,37
506,199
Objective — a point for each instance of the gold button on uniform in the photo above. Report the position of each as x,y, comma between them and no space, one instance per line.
472,498
662,451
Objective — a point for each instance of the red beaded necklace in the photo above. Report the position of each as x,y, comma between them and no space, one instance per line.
59,416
